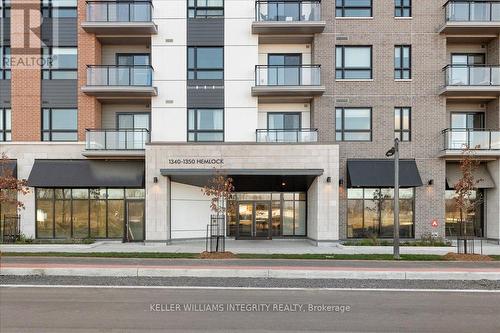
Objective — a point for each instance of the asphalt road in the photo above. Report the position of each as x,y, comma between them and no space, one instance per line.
120,310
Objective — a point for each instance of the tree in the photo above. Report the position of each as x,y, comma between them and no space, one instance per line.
10,186
464,190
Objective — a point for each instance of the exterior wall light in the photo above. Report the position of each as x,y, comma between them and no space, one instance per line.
430,182
155,180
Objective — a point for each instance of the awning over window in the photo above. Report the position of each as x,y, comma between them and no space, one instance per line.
86,173
380,173
249,179
8,168
453,175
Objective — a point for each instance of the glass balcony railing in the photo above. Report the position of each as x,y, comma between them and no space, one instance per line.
119,11
472,11
117,75
475,139
293,75
287,11
287,135
116,139
472,75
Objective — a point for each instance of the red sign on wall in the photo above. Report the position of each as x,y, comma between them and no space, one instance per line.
434,223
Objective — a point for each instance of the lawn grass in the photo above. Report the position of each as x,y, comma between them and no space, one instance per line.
163,255
495,257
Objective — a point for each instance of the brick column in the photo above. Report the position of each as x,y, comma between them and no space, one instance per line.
26,73
89,53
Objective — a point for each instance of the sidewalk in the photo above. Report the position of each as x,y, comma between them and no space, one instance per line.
252,268
239,246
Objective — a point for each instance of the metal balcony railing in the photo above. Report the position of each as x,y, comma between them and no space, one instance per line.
472,11
117,75
474,139
287,135
119,11
472,75
287,11
116,139
287,75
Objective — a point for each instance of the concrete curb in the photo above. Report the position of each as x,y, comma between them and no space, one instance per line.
256,273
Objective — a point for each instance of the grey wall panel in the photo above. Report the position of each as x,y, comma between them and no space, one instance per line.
4,93
59,32
5,31
205,98
205,32
60,93
208,83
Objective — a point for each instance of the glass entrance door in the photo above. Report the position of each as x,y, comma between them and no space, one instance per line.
254,220
135,221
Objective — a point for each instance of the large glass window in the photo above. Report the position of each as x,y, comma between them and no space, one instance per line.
205,125
8,208
132,59
5,8
59,8
5,73
353,62
5,125
59,125
370,212
402,62
205,8
402,123
353,8
60,63
283,120
353,124
473,221
133,120
467,120
402,8
83,213
205,63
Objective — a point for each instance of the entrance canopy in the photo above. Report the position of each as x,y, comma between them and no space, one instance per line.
380,173
453,175
249,179
87,173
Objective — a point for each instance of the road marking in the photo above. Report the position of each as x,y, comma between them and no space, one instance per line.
248,288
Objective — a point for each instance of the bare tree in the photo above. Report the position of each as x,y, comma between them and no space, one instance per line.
219,188
9,184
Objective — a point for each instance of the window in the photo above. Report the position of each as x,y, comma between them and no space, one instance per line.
284,69
353,62
59,63
206,125
132,59
353,124
5,73
283,120
5,8
468,59
402,123
205,63
59,8
402,8
402,62
133,120
5,125
370,212
205,8
467,120
474,219
59,125
353,8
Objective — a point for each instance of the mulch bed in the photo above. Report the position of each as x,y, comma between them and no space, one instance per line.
466,257
217,255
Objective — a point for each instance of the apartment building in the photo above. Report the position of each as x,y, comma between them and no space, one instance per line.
134,105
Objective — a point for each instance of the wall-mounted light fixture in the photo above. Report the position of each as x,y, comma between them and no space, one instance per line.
341,181
430,182
155,180
328,179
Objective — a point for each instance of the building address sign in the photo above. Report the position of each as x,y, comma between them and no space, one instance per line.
196,161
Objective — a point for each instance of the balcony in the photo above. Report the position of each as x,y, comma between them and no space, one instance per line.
284,83
472,81
471,17
120,18
302,135
287,21
119,82
483,142
115,142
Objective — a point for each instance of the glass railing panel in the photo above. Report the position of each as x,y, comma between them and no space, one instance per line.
288,11
305,75
110,139
114,11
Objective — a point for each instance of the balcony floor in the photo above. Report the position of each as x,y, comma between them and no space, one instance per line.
120,28
110,153
470,28
287,93
471,92
120,92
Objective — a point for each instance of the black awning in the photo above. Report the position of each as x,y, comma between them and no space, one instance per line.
380,173
86,173
249,179
8,168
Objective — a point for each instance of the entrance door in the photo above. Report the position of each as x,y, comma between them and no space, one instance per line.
134,223
254,220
